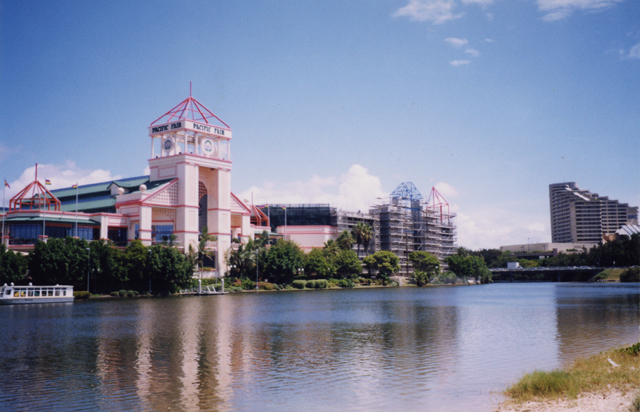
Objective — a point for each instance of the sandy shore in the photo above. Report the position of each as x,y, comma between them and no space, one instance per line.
613,401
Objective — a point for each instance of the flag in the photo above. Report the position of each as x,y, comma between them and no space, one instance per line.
75,186
284,208
6,184
47,182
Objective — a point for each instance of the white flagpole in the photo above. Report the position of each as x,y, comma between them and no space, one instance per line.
76,209
4,211
285,223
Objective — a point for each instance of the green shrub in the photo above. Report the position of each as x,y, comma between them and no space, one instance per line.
345,283
122,292
332,283
115,293
299,284
248,284
233,289
131,293
81,294
600,276
321,284
633,350
287,287
630,275
266,286
311,284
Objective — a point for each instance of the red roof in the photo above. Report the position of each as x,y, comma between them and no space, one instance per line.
190,109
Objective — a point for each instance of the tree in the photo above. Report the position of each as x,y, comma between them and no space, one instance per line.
60,261
242,260
347,264
367,235
345,241
107,265
385,262
370,264
169,269
330,249
424,263
463,251
202,246
12,266
317,264
281,261
473,266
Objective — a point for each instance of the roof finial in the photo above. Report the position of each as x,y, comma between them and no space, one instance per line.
189,89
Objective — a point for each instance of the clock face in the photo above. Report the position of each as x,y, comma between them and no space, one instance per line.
208,148
168,144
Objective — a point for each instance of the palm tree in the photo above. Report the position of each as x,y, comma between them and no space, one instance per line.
345,241
330,248
362,233
367,235
202,246
356,232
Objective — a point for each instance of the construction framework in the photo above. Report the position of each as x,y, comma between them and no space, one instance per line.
407,223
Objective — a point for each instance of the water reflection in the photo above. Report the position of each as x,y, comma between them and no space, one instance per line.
360,350
587,310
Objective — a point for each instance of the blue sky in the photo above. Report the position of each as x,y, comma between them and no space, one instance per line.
339,102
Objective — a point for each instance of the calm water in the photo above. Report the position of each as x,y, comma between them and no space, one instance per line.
409,349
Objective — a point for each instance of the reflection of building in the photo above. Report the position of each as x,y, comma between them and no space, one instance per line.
189,187
578,215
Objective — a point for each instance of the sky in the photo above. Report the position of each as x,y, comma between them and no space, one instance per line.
488,101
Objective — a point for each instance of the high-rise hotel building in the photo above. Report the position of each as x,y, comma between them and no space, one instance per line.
578,215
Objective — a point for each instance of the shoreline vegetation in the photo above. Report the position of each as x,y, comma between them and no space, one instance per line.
163,269
607,381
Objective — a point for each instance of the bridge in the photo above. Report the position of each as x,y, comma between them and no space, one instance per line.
547,274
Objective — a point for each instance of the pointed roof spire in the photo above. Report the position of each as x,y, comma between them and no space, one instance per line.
191,109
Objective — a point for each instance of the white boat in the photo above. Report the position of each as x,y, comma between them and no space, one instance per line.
13,295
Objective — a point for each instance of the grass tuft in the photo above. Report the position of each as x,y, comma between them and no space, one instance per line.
591,374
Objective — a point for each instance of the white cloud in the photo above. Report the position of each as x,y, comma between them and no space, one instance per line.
494,227
61,176
634,52
437,11
489,40
560,9
459,62
473,52
481,2
455,42
446,190
354,190
357,189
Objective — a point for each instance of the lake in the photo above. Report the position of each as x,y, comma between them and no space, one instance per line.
395,349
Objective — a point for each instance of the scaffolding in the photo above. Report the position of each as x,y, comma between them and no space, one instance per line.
407,223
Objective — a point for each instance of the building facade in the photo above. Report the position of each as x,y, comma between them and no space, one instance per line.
578,215
188,190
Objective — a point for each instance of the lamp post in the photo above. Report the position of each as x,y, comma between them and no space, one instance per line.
150,255
88,267
256,270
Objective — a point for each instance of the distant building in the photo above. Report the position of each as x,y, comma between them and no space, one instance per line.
578,215
407,223
403,224
544,250
311,225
